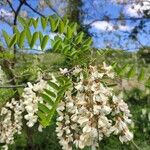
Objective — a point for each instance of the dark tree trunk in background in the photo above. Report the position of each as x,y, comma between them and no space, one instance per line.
74,10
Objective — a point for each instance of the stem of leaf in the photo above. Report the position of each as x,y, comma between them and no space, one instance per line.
135,145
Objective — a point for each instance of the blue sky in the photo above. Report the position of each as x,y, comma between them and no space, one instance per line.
103,32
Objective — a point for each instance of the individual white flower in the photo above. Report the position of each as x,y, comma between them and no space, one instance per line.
128,136
5,147
79,86
76,70
63,71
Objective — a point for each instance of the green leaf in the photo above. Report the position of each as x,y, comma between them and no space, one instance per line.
141,75
50,93
61,27
44,42
57,45
21,39
66,50
35,22
123,70
69,32
44,22
43,108
43,119
88,42
131,72
84,48
34,39
22,21
53,85
13,41
41,115
15,29
47,99
30,22
73,52
40,37
74,27
28,34
54,23
66,22
147,84
79,38
61,80
6,37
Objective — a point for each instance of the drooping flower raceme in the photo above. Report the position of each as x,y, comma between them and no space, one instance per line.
31,100
13,112
91,110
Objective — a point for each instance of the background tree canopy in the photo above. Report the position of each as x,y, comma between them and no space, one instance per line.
120,24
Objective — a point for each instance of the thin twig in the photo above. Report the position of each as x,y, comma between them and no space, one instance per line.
35,11
13,86
48,3
10,4
137,147
17,11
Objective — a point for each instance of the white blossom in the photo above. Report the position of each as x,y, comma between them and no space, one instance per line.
83,117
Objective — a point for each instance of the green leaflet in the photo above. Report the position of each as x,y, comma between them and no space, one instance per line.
57,44
131,72
28,35
43,108
44,42
141,75
54,22
13,41
47,99
74,27
35,22
88,42
21,39
69,32
79,38
61,27
34,39
6,37
52,94
147,84
123,70
41,37
44,22
22,21
53,85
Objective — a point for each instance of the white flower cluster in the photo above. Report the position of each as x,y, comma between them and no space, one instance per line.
11,114
91,111
31,100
